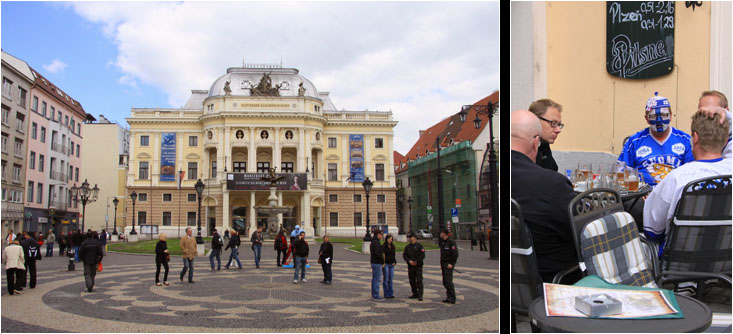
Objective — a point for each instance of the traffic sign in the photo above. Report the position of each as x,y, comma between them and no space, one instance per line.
454,212
458,202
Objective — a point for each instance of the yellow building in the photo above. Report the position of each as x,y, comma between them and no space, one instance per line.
251,119
559,51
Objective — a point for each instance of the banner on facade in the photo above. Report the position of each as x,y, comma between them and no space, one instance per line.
168,156
254,181
356,157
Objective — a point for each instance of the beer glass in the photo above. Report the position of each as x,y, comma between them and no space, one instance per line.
632,181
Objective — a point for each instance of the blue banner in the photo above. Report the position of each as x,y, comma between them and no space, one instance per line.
356,157
168,157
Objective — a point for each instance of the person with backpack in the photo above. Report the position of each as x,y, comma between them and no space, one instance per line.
281,247
216,244
32,252
234,243
90,252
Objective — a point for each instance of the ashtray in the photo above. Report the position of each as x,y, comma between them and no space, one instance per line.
597,305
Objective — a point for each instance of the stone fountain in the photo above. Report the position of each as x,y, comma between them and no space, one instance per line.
272,209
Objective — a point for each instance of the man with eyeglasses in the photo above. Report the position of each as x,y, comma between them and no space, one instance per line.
660,148
549,113
545,212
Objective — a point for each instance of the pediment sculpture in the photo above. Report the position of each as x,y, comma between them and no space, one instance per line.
264,88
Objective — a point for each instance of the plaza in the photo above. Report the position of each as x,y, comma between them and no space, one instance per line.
125,298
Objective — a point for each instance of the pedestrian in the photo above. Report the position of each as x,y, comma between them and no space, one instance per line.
325,258
482,239
281,247
293,237
226,234
161,257
377,262
50,240
90,252
448,258
77,239
103,241
14,260
188,248
32,252
300,256
216,244
234,243
389,262
8,239
256,240
414,254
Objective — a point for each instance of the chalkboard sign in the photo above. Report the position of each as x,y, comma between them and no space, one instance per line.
639,38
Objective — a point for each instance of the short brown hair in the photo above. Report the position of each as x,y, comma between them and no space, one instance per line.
721,96
540,106
712,135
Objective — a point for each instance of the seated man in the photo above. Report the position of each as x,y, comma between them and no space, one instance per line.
714,102
544,196
709,137
660,148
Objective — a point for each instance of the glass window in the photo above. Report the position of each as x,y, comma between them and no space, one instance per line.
21,96
381,218
5,143
142,218
32,162
7,88
66,120
167,197
59,115
333,198
20,122
144,140
142,197
193,170
34,130
378,142
332,174
193,141
39,196
16,173
357,198
18,147
191,219
76,174
6,115
40,162
357,218
192,197
379,171
43,108
34,106
43,134
143,171
263,167
30,191
72,148
72,125
334,219
77,150
286,167
381,198
166,218
213,169
331,142
240,167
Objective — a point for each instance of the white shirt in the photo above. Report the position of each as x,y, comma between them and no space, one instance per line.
727,150
660,206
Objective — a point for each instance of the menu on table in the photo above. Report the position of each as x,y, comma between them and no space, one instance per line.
560,301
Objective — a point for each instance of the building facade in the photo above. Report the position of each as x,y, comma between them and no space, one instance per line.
17,81
252,119
106,147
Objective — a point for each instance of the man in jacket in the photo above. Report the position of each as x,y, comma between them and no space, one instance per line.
32,252
234,243
14,259
377,262
257,240
50,239
300,254
216,244
281,247
325,258
91,253
448,258
103,241
188,250
414,254
77,239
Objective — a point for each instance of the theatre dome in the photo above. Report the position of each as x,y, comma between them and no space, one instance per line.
242,79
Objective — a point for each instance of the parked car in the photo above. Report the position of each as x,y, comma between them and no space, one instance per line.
424,234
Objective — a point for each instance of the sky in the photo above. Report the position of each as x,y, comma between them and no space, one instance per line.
421,60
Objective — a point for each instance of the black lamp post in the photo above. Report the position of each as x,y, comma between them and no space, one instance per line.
115,202
488,109
409,207
86,195
133,197
199,190
367,184
401,199
439,174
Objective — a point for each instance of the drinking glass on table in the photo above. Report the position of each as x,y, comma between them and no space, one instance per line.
585,169
632,180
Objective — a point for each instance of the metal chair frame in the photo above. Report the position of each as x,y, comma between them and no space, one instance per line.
529,255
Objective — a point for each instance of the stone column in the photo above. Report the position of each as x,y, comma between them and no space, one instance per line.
220,154
276,152
251,152
302,150
252,213
225,209
306,214
280,203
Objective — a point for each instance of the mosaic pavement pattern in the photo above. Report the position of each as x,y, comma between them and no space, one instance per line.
250,300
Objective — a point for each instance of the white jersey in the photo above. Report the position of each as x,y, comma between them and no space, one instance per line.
660,206
727,150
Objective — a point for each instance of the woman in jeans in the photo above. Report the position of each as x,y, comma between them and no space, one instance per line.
389,263
161,250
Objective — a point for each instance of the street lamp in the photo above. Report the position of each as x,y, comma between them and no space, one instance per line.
199,190
409,207
115,202
488,109
133,197
367,184
86,195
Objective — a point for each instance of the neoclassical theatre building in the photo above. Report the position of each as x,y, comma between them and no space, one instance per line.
251,119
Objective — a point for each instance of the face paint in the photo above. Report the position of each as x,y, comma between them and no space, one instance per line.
658,113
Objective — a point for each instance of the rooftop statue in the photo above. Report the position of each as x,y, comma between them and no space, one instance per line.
227,89
264,88
301,90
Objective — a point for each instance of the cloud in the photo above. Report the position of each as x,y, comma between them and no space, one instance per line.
55,66
422,60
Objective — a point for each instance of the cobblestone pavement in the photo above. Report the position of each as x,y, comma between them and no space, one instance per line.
125,298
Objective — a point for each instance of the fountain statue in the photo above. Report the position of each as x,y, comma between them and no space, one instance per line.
272,210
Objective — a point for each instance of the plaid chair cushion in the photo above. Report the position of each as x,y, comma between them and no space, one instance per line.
611,249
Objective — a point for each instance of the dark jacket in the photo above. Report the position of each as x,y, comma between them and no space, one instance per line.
256,238
77,239
31,250
448,252
544,157
376,251
160,248
281,243
103,238
301,248
414,252
389,253
216,242
90,251
326,251
234,242
544,197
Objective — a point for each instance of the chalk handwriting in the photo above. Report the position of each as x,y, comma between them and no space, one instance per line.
630,58
650,15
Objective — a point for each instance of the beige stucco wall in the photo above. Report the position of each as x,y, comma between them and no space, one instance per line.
600,110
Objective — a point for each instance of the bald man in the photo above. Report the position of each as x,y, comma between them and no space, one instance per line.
544,196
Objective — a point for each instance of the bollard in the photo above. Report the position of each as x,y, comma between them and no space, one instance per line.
71,259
